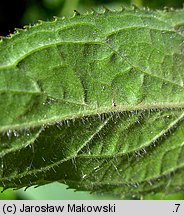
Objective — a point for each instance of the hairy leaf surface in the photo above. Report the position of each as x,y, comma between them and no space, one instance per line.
95,101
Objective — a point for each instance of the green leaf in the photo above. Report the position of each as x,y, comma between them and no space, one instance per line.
95,101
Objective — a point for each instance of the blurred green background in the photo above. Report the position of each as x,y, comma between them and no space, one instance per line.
28,12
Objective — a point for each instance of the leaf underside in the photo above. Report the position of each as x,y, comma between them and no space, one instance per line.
95,101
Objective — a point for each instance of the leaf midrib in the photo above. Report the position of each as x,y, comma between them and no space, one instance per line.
95,111
118,108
